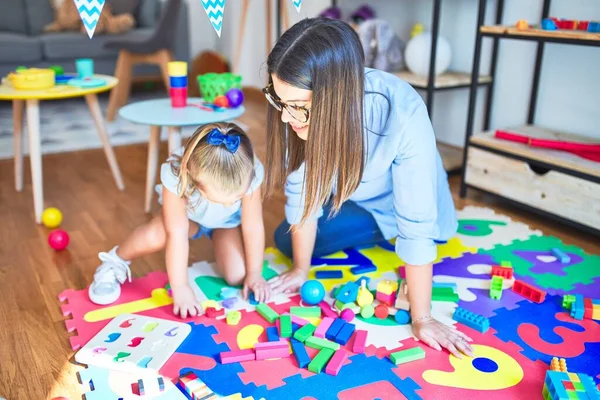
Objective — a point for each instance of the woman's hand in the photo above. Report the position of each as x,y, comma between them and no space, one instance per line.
185,302
288,282
438,335
256,284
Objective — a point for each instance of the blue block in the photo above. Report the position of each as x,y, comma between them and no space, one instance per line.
363,269
596,301
347,293
594,27
548,25
272,334
554,384
300,353
335,274
472,320
577,307
178,81
295,327
561,255
252,300
334,329
345,334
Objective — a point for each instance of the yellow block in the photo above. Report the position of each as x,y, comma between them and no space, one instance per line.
387,287
573,376
596,313
209,303
177,68
159,298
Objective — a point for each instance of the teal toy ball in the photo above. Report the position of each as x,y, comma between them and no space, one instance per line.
312,292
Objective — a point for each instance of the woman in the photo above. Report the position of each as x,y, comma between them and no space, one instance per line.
360,166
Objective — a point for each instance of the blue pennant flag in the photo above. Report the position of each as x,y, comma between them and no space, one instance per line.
214,10
89,11
297,4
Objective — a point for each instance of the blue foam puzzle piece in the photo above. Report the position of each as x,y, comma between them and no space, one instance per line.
300,353
272,334
334,329
363,269
361,371
332,274
345,333
354,258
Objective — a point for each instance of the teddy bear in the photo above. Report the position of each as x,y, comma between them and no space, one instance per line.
67,19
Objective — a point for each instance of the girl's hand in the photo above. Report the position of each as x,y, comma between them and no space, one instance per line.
438,335
185,302
288,282
256,284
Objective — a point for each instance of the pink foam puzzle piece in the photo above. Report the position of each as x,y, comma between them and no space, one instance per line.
178,361
77,304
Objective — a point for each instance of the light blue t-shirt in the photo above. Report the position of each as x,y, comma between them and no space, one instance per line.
404,184
206,213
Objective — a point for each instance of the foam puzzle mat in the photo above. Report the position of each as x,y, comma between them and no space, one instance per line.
511,358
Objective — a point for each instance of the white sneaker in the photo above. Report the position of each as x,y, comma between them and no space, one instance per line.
108,278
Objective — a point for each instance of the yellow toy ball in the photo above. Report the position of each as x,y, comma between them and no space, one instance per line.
52,217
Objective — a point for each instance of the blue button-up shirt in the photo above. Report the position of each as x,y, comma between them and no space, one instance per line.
404,184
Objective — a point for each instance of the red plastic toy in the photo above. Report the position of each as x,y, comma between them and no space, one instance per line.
529,292
504,272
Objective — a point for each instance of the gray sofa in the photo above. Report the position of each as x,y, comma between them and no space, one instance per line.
23,42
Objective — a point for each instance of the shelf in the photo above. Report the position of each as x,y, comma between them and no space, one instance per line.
448,80
560,36
452,157
557,158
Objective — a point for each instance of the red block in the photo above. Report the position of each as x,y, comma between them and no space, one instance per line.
178,97
529,292
569,385
583,25
212,312
388,299
589,308
505,272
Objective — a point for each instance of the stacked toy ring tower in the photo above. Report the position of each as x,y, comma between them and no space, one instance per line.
179,83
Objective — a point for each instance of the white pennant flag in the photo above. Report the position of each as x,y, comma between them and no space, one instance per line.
89,11
297,4
214,10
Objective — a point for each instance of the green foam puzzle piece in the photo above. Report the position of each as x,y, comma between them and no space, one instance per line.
583,272
483,227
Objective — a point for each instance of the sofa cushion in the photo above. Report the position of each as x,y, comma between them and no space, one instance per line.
124,6
39,14
148,14
72,45
19,49
13,17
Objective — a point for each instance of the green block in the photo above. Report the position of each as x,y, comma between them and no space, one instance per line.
568,300
572,395
285,326
404,356
496,287
267,312
306,312
322,357
578,386
319,343
304,332
444,294
505,263
339,305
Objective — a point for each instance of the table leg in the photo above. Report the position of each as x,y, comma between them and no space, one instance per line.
92,101
18,143
153,146
174,138
35,157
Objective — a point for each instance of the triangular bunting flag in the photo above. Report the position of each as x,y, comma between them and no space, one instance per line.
89,11
214,10
297,4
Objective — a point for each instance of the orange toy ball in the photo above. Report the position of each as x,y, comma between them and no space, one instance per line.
221,101
381,311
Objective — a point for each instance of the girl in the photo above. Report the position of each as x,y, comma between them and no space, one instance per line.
211,187
363,148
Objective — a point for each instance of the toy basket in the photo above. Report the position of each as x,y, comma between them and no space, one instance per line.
32,79
213,84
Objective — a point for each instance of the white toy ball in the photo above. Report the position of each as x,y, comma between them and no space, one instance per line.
418,51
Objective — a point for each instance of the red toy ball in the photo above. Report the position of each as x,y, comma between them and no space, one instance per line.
235,97
221,101
58,239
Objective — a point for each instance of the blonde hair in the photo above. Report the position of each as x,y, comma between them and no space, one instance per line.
203,163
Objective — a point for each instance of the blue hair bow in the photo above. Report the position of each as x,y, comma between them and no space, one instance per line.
231,141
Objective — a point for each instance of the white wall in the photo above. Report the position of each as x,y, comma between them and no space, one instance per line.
569,85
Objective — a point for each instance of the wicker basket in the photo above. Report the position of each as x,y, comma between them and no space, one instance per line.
213,85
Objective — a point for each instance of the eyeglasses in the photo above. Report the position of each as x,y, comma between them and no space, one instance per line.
299,113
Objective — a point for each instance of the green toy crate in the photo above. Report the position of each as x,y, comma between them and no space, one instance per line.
213,84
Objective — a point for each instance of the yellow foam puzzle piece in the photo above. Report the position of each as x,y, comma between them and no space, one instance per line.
158,298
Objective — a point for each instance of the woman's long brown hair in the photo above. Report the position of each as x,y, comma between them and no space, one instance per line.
324,56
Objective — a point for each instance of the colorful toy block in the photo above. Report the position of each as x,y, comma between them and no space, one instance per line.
388,299
387,286
506,264
444,294
558,364
252,299
496,287
404,356
303,333
212,312
230,302
472,320
209,303
327,310
267,312
299,321
360,341
336,362
563,385
323,327
348,292
334,329
577,308
233,317
300,354
561,255
285,326
568,300
451,285
504,272
268,350
588,308
228,292
529,292
272,334
402,297
306,312
322,357
364,295
329,274
228,357
195,388
363,269
318,343
345,334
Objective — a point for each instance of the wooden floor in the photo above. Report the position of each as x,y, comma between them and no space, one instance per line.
35,356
